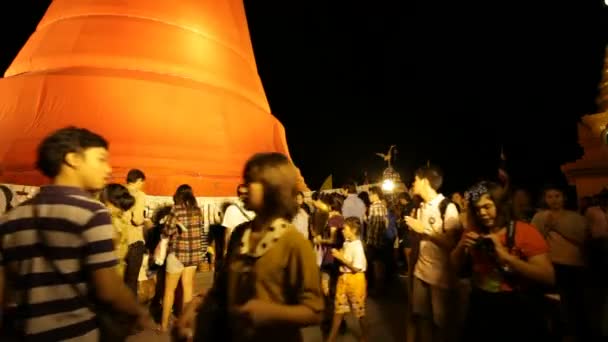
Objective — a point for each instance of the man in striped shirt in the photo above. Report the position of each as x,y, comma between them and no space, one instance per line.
61,238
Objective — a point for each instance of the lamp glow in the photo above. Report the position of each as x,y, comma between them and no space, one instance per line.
388,185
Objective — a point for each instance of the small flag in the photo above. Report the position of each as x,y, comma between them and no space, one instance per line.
327,184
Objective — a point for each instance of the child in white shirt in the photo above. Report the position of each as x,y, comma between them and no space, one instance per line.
351,291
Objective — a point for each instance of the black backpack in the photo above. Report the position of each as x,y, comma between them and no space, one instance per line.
415,237
443,206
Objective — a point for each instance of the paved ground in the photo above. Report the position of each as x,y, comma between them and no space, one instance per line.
386,318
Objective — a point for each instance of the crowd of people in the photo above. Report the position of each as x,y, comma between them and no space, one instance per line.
74,259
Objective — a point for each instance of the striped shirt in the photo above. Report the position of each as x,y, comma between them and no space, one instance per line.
78,231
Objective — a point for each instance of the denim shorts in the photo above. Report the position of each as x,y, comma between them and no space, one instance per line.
173,264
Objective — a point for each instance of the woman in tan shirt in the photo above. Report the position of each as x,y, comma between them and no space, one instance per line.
269,287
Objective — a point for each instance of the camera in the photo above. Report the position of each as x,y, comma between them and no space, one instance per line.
485,245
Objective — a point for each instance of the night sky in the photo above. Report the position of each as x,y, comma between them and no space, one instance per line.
446,81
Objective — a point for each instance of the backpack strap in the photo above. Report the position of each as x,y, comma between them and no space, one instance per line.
443,206
510,240
242,211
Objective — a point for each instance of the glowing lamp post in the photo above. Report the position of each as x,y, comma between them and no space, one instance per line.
388,185
390,180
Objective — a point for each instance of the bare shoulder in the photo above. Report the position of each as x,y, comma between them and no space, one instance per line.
140,195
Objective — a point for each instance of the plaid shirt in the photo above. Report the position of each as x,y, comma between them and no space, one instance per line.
377,224
189,246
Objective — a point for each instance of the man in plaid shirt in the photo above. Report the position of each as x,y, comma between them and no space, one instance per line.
378,249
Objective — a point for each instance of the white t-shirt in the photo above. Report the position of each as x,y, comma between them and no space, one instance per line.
235,215
301,222
355,255
433,261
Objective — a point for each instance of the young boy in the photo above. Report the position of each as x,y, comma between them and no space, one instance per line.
351,292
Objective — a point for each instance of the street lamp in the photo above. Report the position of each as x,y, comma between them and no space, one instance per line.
388,185
390,180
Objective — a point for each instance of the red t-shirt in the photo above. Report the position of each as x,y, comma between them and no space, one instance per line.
486,274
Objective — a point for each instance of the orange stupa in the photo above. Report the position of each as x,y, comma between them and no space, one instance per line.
173,85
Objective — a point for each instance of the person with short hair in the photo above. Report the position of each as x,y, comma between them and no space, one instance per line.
236,213
566,233
351,290
136,180
353,206
378,248
432,278
75,233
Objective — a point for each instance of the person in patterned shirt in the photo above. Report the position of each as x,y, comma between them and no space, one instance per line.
377,249
118,200
186,249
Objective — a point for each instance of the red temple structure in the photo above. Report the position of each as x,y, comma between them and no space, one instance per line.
590,173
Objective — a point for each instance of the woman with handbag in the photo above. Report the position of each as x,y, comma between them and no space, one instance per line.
269,286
